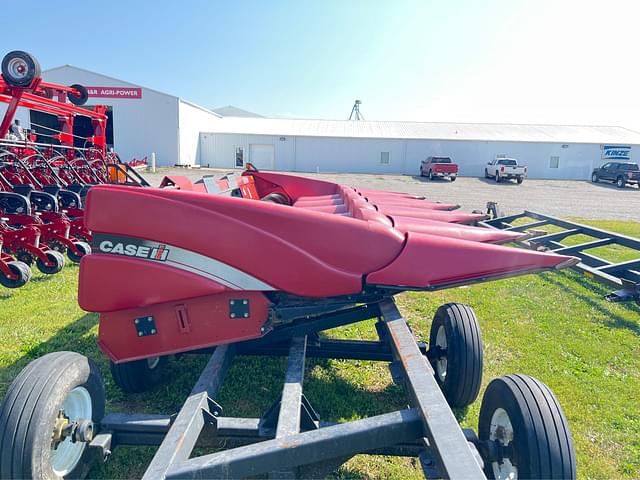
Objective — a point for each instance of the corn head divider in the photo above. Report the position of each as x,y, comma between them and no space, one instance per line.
623,276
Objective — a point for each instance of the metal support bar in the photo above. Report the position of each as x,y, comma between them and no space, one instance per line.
291,451
583,246
291,399
183,434
451,449
520,228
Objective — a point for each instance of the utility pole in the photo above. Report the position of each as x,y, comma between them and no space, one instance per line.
355,111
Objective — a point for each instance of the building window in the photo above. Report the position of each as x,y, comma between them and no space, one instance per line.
239,156
554,162
384,158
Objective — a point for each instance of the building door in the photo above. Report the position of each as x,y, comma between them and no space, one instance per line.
262,156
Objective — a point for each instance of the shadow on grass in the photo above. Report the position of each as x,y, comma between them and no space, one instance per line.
72,337
596,301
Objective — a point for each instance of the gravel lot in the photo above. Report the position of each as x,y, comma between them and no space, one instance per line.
552,197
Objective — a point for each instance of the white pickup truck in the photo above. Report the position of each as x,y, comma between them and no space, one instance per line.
505,168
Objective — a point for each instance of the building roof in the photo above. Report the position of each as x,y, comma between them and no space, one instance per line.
429,130
233,111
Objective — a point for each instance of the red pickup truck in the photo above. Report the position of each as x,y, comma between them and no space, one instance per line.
442,167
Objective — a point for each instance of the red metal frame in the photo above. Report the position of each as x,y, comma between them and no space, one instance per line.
33,97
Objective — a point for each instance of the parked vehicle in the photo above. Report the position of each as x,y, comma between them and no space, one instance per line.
442,167
621,173
505,169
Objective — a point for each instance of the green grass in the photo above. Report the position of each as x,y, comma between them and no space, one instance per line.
554,326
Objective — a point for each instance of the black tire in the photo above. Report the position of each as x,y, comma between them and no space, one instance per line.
56,258
431,175
20,68
29,411
453,179
455,352
542,446
84,248
621,182
80,99
486,173
139,375
20,269
276,197
519,180
594,177
497,177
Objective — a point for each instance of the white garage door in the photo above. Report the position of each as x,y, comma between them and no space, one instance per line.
262,156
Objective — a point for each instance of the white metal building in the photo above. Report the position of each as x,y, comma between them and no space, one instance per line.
144,120
549,151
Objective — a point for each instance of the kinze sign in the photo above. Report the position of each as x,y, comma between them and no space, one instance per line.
616,152
115,92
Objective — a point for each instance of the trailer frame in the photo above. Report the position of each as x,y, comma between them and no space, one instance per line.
623,276
290,440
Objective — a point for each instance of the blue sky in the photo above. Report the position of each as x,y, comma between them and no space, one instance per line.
536,61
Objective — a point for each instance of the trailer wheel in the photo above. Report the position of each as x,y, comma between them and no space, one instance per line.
594,177
56,258
20,68
20,269
620,182
455,352
80,99
55,400
83,248
139,375
523,431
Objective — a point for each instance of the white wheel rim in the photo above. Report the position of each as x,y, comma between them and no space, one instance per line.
18,68
77,406
502,431
153,362
441,363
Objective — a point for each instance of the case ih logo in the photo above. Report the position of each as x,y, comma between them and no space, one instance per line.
115,92
616,152
158,252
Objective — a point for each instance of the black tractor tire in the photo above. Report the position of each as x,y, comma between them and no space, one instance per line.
139,375
521,414
84,249
20,68
276,197
56,258
53,386
455,352
621,182
80,99
20,269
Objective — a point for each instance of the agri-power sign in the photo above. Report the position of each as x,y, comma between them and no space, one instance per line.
616,152
115,92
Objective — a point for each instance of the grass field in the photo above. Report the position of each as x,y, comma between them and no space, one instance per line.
554,326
